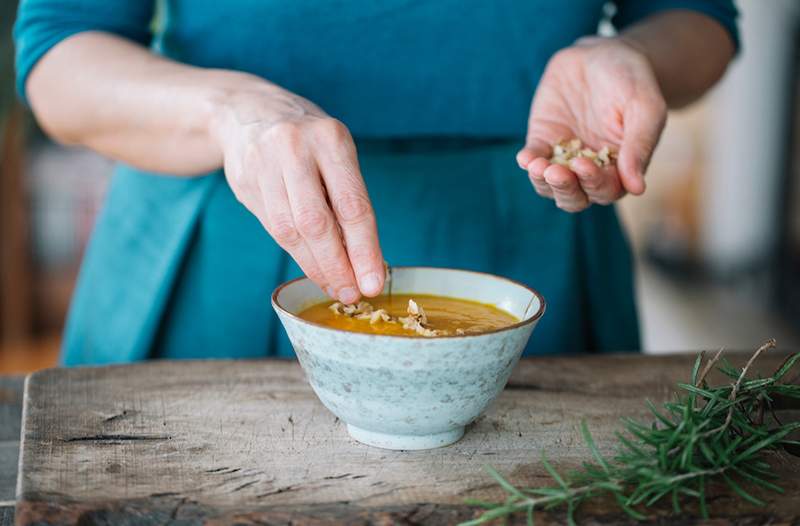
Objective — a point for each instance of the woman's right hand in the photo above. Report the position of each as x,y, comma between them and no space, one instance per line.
296,169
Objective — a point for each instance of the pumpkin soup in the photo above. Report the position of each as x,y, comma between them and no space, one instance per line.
411,315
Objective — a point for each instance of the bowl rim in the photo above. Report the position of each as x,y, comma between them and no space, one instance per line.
542,307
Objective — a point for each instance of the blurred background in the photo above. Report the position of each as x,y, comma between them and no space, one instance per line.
716,236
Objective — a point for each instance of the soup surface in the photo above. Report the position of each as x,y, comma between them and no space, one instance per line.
411,315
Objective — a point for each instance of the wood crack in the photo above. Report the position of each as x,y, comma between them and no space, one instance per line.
116,438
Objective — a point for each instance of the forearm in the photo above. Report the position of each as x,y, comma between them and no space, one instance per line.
116,97
688,51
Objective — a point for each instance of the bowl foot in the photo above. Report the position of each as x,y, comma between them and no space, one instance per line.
389,441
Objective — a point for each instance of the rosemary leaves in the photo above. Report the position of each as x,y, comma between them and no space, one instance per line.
708,433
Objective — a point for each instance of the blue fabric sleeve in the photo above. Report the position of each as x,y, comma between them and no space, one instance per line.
723,11
41,24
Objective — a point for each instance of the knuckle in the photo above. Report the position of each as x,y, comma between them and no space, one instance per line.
288,134
352,207
536,177
543,190
363,255
251,156
337,271
283,230
313,223
333,128
592,184
560,184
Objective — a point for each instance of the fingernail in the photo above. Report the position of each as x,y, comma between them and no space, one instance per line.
348,295
522,162
370,284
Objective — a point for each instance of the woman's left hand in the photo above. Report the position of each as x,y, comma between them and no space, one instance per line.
604,92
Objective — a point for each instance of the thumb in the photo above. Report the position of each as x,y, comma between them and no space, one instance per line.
642,127
533,149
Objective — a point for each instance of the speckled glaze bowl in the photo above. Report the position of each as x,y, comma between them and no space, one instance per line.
401,392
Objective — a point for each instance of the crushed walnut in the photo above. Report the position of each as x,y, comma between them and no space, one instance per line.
416,320
565,151
361,311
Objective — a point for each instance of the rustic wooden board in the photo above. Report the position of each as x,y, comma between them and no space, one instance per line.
10,419
219,442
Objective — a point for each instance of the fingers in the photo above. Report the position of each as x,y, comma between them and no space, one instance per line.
534,148
643,123
302,181
573,188
551,180
269,202
533,158
566,189
601,185
279,222
316,224
350,202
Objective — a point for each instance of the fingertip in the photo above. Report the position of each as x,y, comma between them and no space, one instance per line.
631,173
371,284
635,184
583,167
524,158
349,295
558,176
538,166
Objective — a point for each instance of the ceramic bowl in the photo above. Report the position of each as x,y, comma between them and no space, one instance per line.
402,392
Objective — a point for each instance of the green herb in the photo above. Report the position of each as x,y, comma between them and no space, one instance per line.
706,434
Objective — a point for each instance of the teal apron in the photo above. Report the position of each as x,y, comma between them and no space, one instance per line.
177,268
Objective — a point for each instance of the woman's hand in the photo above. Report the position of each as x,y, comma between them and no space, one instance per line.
295,168
604,92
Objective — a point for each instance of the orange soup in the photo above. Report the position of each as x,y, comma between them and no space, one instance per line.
411,315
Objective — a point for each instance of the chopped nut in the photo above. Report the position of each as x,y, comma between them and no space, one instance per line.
565,151
415,321
379,315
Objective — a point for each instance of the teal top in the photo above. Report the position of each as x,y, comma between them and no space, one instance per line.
386,68
437,96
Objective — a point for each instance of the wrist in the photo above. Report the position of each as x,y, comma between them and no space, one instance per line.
627,43
240,99
221,100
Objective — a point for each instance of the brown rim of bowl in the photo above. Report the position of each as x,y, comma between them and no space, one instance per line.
535,317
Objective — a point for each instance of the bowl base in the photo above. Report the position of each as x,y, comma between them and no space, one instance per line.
407,442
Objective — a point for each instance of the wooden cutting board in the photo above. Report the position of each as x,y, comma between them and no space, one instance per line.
215,442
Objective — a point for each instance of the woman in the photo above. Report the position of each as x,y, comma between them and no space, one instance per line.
249,131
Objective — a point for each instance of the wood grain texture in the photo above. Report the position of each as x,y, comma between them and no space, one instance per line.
10,420
248,442
9,457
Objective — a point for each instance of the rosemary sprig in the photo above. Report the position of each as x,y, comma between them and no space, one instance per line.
706,434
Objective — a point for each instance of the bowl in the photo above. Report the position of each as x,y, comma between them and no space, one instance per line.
404,392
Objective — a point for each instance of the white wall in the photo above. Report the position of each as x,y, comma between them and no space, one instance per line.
747,134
